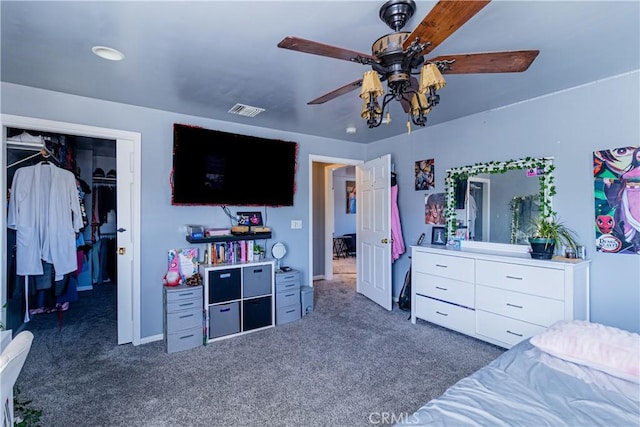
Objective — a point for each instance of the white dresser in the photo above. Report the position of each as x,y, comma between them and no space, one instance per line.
496,297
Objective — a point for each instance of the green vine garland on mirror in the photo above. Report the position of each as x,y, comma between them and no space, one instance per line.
545,169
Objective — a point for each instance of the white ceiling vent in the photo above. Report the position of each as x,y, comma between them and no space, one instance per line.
245,110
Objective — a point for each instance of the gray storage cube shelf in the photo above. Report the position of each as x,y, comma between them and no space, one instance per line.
239,298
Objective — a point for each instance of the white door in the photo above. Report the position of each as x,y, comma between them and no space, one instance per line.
125,171
373,227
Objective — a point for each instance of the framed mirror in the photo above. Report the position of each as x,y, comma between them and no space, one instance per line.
496,201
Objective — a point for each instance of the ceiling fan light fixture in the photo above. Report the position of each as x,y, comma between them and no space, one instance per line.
371,84
430,77
371,111
419,104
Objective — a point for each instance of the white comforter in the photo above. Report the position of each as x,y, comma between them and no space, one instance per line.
527,387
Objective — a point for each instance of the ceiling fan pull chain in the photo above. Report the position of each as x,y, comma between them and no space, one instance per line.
408,127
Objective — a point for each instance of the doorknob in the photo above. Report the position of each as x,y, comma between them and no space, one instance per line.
385,240
120,230
121,251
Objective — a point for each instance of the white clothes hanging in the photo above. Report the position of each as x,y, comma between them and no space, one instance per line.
44,209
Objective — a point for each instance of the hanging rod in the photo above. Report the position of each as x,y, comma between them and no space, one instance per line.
40,147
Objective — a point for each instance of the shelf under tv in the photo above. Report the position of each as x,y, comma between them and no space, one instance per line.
230,237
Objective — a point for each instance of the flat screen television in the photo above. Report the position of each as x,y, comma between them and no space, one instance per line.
217,168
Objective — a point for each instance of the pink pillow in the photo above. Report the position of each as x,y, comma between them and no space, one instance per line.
605,348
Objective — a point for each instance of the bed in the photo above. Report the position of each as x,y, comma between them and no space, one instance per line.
576,373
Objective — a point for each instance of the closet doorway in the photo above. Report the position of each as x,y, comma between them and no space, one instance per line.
127,165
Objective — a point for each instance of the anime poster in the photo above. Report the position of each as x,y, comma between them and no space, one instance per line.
434,208
351,196
616,175
424,175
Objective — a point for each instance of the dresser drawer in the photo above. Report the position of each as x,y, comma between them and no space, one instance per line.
287,314
447,315
288,286
183,340
182,320
504,329
545,282
288,298
530,308
444,289
181,294
180,305
290,276
452,267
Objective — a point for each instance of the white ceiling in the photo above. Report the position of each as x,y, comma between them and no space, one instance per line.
200,58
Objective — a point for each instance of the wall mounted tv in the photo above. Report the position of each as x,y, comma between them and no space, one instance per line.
217,168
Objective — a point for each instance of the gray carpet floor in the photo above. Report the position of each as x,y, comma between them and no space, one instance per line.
348,363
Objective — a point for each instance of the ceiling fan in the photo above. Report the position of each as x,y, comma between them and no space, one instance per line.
399,56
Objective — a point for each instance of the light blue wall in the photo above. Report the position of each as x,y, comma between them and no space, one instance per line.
162,224
569,126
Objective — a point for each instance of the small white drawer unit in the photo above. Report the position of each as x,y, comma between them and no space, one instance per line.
288,307
182,317
499,298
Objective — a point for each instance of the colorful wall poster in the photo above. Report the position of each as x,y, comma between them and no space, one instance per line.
434,208
616,175
424,175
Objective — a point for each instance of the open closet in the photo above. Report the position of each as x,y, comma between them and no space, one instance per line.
56,166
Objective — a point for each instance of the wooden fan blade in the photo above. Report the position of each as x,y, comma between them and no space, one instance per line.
491,62
336,93
442,21
308,46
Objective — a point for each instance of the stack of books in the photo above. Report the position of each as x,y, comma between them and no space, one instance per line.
230,252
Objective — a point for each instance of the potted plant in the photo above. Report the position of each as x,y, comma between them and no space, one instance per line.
548,233
258,252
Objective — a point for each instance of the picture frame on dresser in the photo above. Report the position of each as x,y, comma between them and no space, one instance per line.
438,236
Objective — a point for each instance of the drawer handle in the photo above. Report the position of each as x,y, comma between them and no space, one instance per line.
514,333
513,305
442,266
291,276
186,336
442,289
290,311
289,295
257,270
514,277
225,275
184,294
222,310
186,315
442,314
186,304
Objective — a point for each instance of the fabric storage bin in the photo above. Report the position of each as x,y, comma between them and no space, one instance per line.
256,280
224,319
224,285
256,313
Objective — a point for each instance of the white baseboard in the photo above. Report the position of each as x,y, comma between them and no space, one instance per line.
152,338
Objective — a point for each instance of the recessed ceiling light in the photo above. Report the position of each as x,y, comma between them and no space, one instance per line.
351,130
108,53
